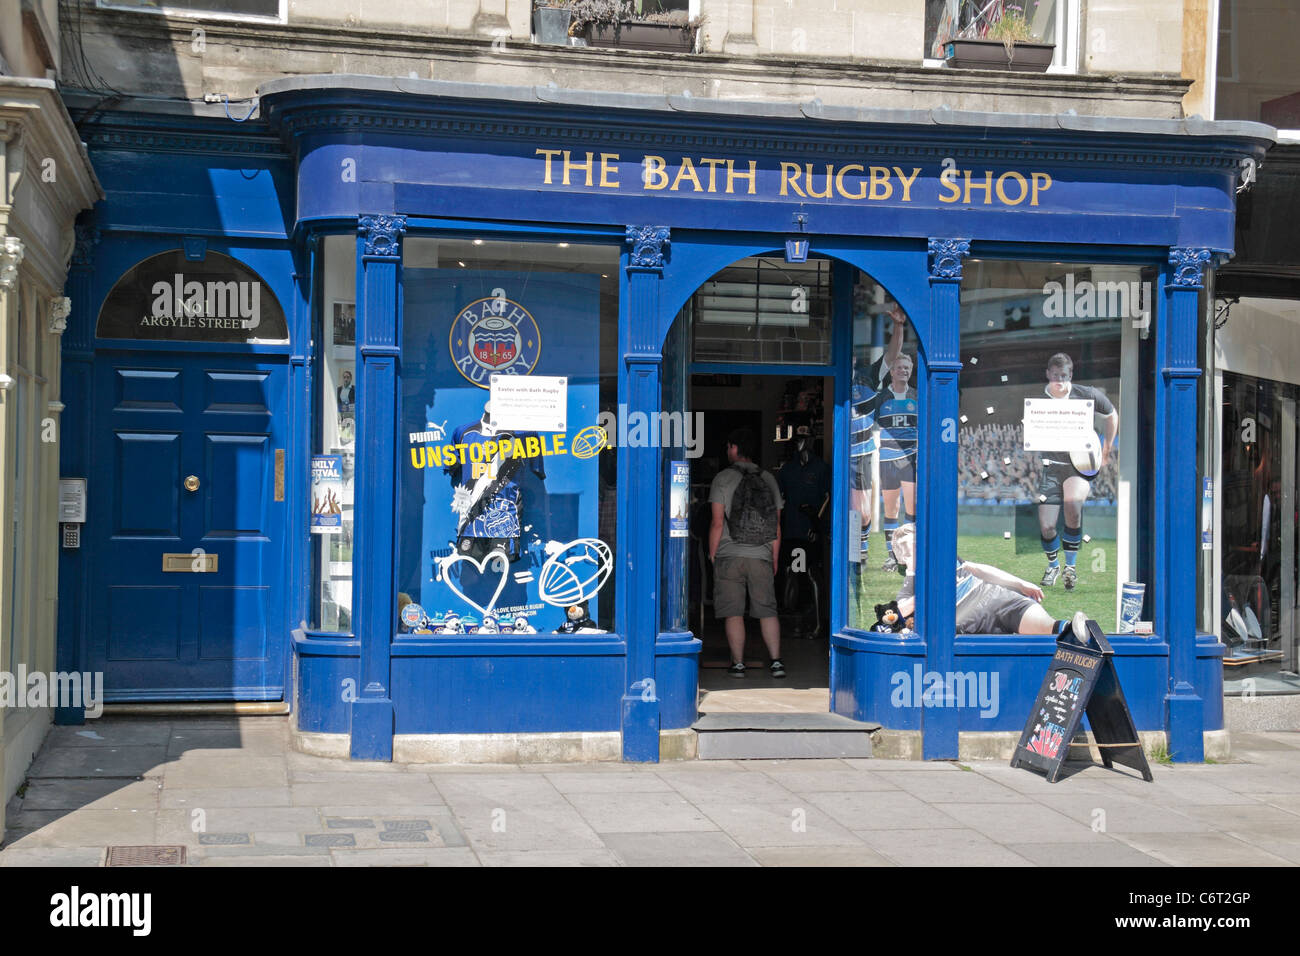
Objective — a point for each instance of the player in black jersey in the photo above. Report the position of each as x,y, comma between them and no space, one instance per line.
1062,483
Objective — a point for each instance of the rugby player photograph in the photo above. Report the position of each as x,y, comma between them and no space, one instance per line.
896,411
867,380
989,600
1063,484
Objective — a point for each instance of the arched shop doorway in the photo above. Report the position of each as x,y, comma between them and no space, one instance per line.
816,365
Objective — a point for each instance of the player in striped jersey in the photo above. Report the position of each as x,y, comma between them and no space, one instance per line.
897,409
867,379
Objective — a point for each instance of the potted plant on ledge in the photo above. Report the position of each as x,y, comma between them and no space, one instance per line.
996,35
551,20
628,26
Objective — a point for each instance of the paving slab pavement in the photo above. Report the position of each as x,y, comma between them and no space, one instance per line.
233,793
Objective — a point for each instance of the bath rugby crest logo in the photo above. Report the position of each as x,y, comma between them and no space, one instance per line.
494,336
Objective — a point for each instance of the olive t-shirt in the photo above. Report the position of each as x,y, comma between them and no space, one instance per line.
721,492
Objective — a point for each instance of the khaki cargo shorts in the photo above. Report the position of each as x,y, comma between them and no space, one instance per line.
733,577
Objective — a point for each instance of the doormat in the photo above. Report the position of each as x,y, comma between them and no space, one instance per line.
724,664
146,855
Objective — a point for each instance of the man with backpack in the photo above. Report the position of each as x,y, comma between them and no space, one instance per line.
744,544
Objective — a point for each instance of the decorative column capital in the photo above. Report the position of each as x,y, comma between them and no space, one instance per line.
382,234
11,254
1189,265
60,307
649,246
946,257
83,246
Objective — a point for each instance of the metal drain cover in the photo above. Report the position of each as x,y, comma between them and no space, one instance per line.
146,855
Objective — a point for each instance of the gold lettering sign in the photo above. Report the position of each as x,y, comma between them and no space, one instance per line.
855,182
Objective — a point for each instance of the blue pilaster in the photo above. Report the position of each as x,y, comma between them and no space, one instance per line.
843,276
76,387
379,269
641,490
1177,508
937,498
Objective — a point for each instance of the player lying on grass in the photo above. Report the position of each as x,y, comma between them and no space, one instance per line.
989,600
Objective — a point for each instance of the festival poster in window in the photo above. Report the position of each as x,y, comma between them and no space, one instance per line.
484,508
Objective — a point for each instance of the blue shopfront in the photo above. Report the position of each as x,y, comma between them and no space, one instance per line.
449,466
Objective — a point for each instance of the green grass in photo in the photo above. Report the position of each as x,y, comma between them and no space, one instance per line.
1094,595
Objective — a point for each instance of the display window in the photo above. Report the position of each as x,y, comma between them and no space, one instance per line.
1048,445
1259,552
333,467
884,463
508,425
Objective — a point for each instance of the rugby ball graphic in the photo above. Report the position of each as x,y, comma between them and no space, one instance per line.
1087,460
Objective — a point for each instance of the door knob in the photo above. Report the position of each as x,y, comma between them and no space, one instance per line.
192,483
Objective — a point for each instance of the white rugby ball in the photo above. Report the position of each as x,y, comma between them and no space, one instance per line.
1087,460
575,572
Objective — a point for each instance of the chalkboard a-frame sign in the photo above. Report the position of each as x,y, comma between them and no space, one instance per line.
1081,680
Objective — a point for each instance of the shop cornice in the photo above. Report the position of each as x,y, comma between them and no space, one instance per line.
174,140
153,125
421,108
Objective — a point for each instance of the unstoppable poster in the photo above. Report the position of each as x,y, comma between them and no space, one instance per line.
470,492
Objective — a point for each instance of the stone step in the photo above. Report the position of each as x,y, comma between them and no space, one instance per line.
732,736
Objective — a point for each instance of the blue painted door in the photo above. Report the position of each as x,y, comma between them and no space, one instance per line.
185,529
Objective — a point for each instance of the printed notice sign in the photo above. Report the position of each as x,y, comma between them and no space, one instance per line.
326,494
678,496
1058,424
529,403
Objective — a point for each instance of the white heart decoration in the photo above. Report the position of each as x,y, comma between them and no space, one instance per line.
444,569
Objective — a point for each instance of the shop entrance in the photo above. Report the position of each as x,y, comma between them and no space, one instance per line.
787,417
185,538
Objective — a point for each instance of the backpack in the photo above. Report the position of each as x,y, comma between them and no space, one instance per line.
752,518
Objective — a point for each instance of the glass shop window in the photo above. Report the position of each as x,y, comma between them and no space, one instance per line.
1259,550
232,9
765,310
884,463
507,434
333,468
1049,451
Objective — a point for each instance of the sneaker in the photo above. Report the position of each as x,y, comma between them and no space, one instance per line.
1079,625
1050,575
891,563
736,670
1071,578
777,668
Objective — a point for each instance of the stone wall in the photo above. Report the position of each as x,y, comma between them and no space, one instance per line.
185,58
1132,36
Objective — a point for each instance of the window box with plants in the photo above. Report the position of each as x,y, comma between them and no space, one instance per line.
634,26
998,35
